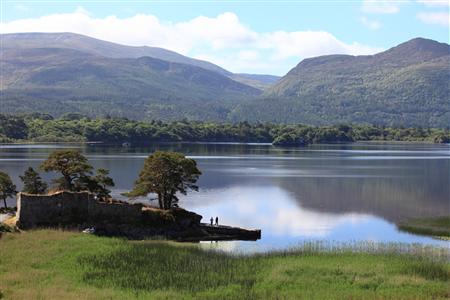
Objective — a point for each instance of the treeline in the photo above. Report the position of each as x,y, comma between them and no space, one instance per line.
78,128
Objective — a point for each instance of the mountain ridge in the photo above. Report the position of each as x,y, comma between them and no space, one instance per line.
114,50
406,85
58,80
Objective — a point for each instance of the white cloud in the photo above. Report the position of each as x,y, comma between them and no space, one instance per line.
250,55
309,44
435,2
380,6
437,18
371,24
223,39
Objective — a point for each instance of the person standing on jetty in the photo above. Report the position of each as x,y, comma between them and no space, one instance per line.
211,221
217,221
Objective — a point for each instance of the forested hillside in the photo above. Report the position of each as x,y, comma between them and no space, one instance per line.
407,85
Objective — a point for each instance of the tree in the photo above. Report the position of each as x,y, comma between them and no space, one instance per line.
71,164
97,184
7,188
165,174
13,127
32,182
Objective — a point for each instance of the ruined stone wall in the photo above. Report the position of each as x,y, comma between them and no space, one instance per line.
48,210
82,209
121,213
71,208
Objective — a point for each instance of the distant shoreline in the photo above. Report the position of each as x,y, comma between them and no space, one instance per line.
222,143
30,129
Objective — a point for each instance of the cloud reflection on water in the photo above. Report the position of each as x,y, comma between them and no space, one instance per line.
270,208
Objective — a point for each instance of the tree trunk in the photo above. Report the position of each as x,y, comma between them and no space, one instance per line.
4,201
160,201
164,200
167,201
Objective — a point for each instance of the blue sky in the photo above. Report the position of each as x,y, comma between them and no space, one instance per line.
243,36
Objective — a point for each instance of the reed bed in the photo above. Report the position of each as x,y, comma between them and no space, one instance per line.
50,264
415,250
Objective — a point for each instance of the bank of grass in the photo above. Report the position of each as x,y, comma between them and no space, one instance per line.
49,264
435,226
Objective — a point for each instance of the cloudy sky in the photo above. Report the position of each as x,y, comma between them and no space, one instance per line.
252,36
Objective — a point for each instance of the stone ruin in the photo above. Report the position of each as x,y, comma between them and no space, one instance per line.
82,210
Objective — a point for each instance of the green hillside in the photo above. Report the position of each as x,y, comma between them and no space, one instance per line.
73,41
407,85
58,80
67,40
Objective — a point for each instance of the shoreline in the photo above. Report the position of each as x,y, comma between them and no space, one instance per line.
223,143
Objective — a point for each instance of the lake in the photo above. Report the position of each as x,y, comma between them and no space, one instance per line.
333,193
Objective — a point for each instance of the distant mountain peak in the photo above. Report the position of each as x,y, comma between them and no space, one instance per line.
419,49
413,51
420,43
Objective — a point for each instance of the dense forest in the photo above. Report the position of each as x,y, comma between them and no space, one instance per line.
78,128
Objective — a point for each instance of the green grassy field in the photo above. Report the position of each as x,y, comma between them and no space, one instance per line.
437,226
50,264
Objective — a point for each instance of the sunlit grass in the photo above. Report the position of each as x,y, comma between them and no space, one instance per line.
48,264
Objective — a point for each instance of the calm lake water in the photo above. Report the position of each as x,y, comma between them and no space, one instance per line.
332,193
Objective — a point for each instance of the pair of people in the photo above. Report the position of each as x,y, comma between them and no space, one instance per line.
217,221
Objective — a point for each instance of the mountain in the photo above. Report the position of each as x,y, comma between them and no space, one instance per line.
94,46
67,40
60,80
407,85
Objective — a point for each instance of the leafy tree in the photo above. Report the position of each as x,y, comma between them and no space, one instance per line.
71,164
442,138
32,182
13,127
165,174
97,184
7,188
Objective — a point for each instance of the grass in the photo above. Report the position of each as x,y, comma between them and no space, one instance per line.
50,264
437,226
